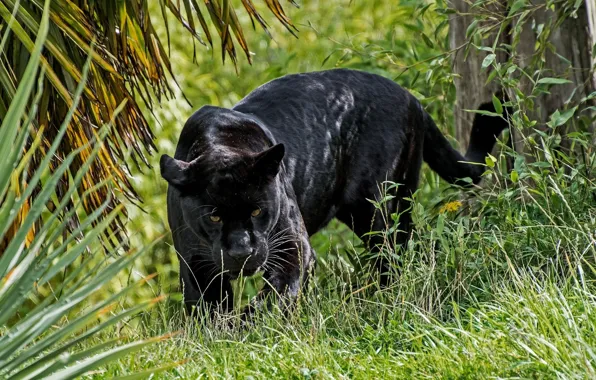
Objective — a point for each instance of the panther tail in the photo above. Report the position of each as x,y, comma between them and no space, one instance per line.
448,162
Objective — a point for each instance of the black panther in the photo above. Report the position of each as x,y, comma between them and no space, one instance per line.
249,185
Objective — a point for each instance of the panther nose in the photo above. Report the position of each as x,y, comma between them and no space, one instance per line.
241,254
239,246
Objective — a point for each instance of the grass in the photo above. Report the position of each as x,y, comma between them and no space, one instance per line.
530,328
493,286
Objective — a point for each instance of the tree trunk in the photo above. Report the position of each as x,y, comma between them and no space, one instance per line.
572,40
471,87
591,11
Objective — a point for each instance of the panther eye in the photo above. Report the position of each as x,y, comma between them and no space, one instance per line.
256,212
215,218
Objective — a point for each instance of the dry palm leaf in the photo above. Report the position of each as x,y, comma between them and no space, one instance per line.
129,62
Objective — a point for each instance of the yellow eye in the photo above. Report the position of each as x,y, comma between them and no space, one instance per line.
215,218
256,212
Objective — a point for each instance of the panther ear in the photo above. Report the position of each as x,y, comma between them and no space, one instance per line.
266,163
174,171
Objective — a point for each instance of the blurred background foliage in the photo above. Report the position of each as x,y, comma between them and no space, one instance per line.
402,40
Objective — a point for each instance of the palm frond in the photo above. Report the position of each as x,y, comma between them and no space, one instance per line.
130,69
30,345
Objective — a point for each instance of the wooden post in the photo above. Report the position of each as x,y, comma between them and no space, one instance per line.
572,40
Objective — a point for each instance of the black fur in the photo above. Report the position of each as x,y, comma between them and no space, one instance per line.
340,133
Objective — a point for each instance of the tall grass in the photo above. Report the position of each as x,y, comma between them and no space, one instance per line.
529,327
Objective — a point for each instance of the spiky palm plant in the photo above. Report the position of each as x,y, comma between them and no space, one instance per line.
129,65
43,341
62,162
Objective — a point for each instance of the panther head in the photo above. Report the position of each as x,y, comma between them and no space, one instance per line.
230,200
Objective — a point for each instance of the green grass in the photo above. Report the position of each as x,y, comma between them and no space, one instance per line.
501,287
530,328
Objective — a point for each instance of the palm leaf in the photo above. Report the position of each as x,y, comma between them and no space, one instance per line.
129,65
30,345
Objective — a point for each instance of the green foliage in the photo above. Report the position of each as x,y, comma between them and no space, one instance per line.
530,327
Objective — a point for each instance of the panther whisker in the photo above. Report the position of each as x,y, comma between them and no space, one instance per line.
273,265
201,206
276,259
281,244
279,232
282,238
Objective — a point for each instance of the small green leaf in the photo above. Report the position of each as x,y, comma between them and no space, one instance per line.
553,81
514,176
427,41
491,76
486,113
490,161
516,6
558,119
415,79
488,60
591,96
441,26
497,104
471,28
440,224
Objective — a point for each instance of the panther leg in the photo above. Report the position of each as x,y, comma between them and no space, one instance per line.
363,218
